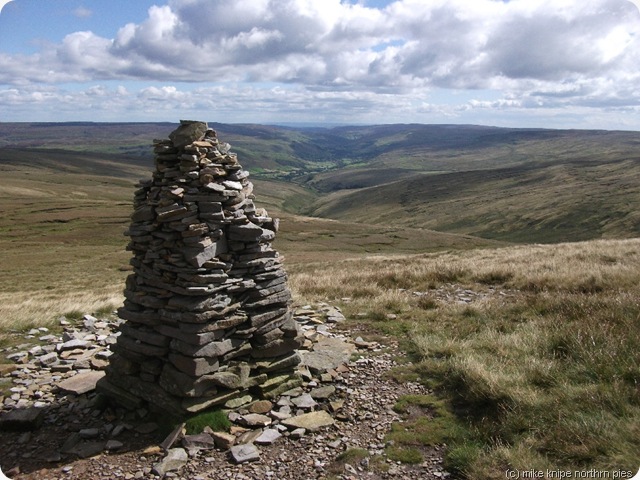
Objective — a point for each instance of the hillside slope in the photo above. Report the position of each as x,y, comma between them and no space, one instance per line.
548,203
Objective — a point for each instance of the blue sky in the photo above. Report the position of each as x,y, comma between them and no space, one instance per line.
518,63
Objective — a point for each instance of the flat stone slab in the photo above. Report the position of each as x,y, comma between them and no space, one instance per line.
267,437
323,392
261,406
245,453
304,401
81,383
223,440
327,354
309,421
200,441
173,437
254,420
21,420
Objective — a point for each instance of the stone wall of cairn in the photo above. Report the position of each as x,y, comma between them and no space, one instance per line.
207,307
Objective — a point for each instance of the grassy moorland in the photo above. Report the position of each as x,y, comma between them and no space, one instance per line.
63,214
540,372
61,242
531,351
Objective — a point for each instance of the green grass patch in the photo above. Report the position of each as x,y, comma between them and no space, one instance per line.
5,386
216,420
427,421
403,454
353,455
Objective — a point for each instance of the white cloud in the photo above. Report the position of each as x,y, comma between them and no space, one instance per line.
542,53
3,3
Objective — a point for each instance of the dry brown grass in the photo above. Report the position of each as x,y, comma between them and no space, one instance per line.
576,267
544,376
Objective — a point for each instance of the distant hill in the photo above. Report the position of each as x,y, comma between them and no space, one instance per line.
569,201
524,185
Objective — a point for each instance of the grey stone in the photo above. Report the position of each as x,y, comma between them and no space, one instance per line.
140,347
89,433
261,406
71,441
49,359
304,401
187,133
281,363
146,428
322,393
254,420
179,384
199,256
245,232
298,433
87,449
81,383
175,434
227,380
309,421
247,452
176,459
113,445
333,315
212,349
223,440
268,436
194,405
194,366
238,402
199,441
280,415
73,344
17,356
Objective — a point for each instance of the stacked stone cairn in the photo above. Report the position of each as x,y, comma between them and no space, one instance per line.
207,308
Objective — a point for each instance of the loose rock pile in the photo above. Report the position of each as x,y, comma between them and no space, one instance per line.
207,307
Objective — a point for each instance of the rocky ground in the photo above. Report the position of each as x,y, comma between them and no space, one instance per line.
334,426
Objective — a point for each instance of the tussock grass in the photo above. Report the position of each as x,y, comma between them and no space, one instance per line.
543,372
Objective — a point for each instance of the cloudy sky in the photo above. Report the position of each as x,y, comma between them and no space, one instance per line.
517,63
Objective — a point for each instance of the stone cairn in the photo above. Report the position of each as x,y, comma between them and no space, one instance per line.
207,308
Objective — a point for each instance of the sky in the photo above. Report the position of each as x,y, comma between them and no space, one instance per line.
510,63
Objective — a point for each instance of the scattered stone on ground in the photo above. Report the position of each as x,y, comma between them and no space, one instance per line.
341,405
